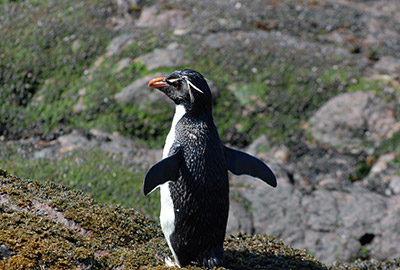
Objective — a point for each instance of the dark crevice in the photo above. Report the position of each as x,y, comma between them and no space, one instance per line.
366,239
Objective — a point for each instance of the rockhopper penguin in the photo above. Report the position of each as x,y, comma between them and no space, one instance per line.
193,174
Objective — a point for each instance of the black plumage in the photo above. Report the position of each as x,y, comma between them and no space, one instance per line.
195,170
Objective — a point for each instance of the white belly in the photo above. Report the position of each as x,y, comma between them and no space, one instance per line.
167,214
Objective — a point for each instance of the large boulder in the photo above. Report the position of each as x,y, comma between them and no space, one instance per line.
332,224
350,120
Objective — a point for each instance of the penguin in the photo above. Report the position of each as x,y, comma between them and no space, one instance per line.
193,174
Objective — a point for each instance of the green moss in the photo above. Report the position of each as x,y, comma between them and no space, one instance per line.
102,175
278,107
332,75
258,252
49,226
271,94
41,41
363,168
365,85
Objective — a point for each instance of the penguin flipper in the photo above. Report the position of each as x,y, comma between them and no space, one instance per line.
163,171
239,163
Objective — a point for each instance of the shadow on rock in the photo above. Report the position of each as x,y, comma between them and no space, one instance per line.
264,252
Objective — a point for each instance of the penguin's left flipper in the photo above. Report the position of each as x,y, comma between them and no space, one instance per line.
239,163
163,171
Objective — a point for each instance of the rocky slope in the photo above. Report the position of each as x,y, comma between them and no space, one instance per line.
51,227
311,87
48,226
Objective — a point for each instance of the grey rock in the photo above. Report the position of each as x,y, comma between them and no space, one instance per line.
320,164
126,149
171,56
140,94
239,220
125,6
350,120
5,252
333,222
123,63
388,65
119,42
154,17
330,224
79,106
385,244
381,176
394,185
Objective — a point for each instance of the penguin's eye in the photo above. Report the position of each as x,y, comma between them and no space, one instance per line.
174,81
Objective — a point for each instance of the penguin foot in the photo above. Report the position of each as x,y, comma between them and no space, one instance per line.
169,262
213,257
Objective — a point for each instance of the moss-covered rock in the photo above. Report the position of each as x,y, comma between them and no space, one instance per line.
50,226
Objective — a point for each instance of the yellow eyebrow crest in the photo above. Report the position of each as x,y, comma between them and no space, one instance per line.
173,80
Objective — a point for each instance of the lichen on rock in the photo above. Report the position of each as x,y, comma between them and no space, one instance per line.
50,226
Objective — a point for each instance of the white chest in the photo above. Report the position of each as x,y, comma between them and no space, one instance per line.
167,214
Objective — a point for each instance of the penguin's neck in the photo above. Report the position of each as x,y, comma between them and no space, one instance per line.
180,111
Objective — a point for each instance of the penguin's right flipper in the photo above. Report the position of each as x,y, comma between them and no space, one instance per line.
242,163
163,171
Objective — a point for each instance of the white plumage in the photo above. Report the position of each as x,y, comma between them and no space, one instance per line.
167,214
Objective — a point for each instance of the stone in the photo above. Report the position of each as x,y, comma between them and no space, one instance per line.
123,63
350,120
153,17
5,252
331,224
114,143
388,65
138,93
239,220
381,174
118,43
394,185
171,56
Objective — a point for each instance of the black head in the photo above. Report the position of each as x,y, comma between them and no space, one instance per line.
186,87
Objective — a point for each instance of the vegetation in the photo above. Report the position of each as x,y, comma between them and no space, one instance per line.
50,226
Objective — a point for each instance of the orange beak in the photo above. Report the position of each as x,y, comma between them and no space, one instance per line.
157,83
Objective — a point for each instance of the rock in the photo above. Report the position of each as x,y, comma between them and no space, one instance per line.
239,220
259,145
388,65
350,120
114,143
123,63
171,56
153,17
118,43
138,93
386,231
394,185
381,175
5,252
71,230
80,106
320,164
332,225
333,221
126,6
